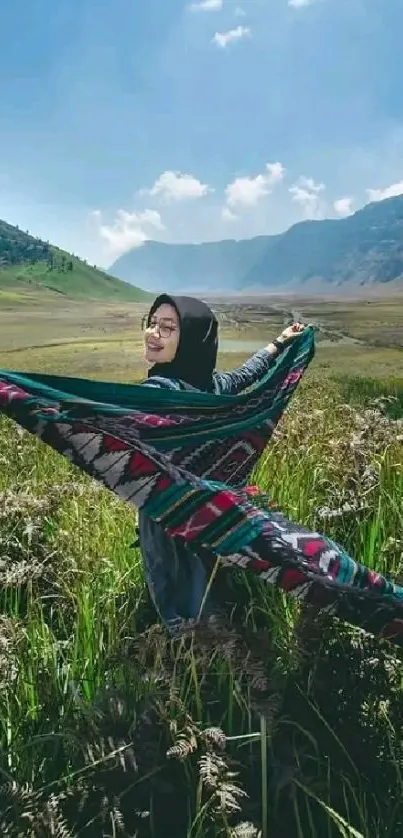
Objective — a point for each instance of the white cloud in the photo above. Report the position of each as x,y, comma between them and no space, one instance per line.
343,207
298,4
228,215
175,186
247,191
239,12
391,191
222,39
306,193
129,229
206,6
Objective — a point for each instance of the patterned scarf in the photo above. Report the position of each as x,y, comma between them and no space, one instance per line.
184,457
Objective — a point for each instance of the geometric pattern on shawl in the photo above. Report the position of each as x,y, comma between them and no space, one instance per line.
185,458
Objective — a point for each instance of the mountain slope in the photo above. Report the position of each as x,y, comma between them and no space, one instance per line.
190,267
30,267
365,248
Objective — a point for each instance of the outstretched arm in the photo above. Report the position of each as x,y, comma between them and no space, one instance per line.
231,383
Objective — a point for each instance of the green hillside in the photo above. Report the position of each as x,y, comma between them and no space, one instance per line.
33,269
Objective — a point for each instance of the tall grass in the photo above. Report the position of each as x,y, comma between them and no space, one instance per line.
275,722
357,390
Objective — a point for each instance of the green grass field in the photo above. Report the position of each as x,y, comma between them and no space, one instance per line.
282,723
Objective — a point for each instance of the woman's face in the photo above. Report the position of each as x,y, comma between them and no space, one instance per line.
161,339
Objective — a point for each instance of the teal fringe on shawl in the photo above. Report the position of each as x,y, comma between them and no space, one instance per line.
184,457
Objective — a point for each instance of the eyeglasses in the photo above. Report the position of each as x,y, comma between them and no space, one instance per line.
164,328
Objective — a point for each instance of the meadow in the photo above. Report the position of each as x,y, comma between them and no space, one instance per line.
279,722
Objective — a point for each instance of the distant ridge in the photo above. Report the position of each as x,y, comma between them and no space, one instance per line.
365,249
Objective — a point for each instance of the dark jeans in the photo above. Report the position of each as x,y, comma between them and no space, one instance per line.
177,578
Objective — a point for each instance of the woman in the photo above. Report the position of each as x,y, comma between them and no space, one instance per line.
187,481
181,344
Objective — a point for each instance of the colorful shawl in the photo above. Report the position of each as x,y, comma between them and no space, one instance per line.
184,457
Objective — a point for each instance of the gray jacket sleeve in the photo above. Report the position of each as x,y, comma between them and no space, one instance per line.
163,383
230,383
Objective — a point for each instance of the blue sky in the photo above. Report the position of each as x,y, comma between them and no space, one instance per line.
123,120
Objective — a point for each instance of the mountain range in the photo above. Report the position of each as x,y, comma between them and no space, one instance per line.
364,249
32,269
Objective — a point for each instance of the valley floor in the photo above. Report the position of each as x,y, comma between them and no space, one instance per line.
104,341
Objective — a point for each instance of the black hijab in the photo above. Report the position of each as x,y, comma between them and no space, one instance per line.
196,355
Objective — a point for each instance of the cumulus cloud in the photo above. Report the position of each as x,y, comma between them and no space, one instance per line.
174,186
298,4
343,207
222,39
246,192
391,191
307,194
206,6
228,215
129,229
